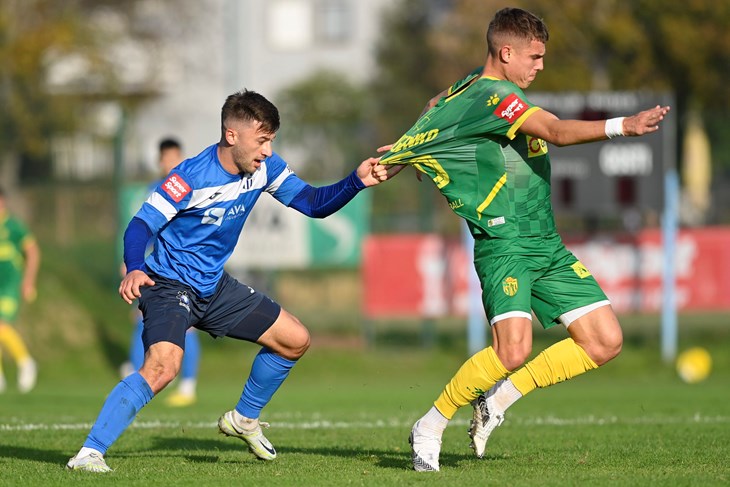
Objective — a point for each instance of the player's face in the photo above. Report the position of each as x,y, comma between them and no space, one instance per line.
251,146
525,61
169,158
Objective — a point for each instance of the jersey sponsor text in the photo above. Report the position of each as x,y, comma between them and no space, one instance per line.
176,187
511,108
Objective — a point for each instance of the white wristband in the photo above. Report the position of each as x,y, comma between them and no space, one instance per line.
614,127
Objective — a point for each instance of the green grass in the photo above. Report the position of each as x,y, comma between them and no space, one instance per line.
343,417
344,414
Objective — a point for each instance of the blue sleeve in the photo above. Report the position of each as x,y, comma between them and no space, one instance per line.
323,201
135,243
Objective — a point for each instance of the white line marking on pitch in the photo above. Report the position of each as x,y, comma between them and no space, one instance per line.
390,423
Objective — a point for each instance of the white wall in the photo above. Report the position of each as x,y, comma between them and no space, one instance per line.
228,45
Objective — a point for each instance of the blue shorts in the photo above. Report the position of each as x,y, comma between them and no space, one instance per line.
235,310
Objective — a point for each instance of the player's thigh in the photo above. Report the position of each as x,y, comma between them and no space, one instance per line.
168,310
506,282
565,286
512,341
238,311
287,336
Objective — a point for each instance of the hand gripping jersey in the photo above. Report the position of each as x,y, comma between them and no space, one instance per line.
493,177
197,213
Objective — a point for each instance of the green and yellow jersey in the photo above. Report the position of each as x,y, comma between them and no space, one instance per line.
13,236
493,177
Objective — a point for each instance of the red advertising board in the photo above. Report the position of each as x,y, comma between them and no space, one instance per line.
420,275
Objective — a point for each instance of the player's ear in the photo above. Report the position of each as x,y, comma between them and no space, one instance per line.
505,54
230,135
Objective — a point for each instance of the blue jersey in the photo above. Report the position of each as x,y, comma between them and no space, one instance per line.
197,213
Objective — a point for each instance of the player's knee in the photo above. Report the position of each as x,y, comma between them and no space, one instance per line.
158,374
298,344
612,347
607,348
515,355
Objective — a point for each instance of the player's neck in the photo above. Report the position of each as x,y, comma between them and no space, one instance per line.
226,159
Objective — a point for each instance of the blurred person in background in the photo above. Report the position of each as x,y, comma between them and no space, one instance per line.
169,156
19,261
485,147
196,215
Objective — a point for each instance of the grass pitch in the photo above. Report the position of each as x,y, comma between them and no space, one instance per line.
343,418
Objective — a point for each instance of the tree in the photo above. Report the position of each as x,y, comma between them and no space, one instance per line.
58,57
324,115
682,46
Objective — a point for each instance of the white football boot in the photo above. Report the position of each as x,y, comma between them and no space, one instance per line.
425,449
485,419
249,430
92,462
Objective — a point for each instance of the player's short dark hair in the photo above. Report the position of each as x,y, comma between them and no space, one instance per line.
169,143
513,22
247,106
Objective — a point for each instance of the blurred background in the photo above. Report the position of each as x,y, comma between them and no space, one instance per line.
89,87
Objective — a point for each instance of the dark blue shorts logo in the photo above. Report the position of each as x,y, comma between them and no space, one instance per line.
184,300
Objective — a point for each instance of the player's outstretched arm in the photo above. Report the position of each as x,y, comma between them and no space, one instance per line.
548,127
644,122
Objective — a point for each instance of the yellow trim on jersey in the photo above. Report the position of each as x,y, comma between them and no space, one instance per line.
491,195
396,157
461,89
518,123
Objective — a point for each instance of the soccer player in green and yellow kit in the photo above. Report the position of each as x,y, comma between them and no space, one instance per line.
19,261
485,146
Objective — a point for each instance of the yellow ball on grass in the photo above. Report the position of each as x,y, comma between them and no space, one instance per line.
694,365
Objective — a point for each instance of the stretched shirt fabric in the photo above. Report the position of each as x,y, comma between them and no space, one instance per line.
197,213
493,177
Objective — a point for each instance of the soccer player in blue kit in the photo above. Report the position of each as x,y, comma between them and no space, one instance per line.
196,215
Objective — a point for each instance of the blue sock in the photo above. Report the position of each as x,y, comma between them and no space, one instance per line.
192,356
268,371
136,348
118,412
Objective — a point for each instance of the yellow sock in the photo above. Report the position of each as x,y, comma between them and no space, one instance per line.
476,376
559,362
12,341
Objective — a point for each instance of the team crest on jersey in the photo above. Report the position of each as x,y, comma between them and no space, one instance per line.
509,286
536,147
493,100
581,270
175,187
511,108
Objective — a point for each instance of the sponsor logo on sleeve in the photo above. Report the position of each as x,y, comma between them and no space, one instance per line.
511,108
536,147
175,187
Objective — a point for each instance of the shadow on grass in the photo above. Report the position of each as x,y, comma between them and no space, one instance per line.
34,454
183,447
